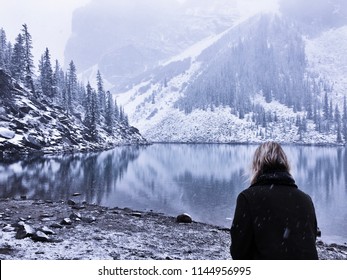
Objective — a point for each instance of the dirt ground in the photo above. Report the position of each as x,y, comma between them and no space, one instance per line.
47,230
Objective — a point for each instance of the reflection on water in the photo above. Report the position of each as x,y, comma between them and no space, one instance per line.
202,180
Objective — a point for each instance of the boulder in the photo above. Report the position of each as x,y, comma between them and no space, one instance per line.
66,221
47,230
24,230
76,216
89,219
6,133
40,236
184,218
31,142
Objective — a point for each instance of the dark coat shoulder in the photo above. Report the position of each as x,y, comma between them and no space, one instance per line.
274,220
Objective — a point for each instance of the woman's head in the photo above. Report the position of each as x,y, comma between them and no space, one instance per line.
268,156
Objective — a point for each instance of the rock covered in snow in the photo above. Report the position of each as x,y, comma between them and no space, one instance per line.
30,125
6,133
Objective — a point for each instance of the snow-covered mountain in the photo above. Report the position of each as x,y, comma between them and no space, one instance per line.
125,38
30,125
262,78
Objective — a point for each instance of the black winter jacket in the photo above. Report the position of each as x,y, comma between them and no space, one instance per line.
274,220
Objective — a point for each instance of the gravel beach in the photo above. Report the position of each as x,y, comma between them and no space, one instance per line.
68,230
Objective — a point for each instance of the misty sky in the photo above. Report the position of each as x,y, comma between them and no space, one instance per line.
49,21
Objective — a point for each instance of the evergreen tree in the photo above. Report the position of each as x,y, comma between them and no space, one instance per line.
101,93
28,58
344,119
17,66
72,84
46,75
8,57
109,114
338,125
116,111
344,112
64,95
3,48
326,107
91,112
58,81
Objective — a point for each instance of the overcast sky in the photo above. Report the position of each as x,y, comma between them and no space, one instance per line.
49,21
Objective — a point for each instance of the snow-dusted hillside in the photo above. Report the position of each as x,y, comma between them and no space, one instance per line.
157,101
327,58
28,125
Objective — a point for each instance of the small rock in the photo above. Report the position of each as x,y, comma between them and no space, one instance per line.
40,236
39,253
184,218
38,202
24,231
56,225
89,219
76,194
8,228
46,215
66,221
23,197
47,230
115,255
98,238
71,202
136,214
45,219
78,207
76,216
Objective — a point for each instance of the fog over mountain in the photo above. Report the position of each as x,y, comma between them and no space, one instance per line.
316,15
205,71
125,38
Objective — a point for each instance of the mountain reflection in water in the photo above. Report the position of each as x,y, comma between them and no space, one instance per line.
200,179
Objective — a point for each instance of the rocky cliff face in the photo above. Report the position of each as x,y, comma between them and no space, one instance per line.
28,125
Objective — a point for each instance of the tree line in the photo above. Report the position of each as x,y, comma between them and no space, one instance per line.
270,61
96,108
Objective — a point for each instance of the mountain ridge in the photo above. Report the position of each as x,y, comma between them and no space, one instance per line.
153,103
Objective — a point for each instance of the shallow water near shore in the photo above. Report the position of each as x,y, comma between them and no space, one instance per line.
200,179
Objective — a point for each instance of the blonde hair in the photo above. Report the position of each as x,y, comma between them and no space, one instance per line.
268,156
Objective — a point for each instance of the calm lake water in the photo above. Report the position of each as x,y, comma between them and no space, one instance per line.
202,180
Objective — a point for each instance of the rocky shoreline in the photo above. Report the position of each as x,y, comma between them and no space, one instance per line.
73,230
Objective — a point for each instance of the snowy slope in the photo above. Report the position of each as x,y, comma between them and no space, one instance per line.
28,125
151,102
327,57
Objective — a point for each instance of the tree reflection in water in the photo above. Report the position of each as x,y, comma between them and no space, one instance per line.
201,179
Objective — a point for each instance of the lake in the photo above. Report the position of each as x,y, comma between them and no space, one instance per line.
200,179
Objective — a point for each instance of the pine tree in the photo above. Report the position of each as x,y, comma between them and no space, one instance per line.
46,75
109,114
338,125
101,93
3,47
116,111
326,107
91,112
28,59
8,57
17,66
58,82
71,85
344,119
